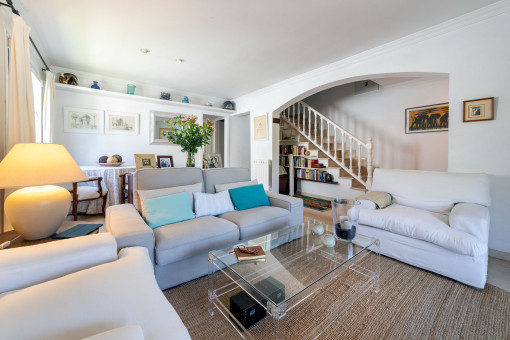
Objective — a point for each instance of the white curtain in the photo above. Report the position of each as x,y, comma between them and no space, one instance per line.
3,99
20,111
48,107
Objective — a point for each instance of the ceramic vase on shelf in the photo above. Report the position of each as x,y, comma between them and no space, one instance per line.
345,218
95,86
190,161
131,89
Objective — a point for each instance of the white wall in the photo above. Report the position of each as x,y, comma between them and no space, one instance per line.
380,114
87,148
474,51
240,141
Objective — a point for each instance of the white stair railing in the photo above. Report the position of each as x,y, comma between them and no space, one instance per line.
326,135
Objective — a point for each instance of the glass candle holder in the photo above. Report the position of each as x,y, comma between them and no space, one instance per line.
131,89
345,218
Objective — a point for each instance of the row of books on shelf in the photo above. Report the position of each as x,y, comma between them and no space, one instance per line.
299,162
292,150
316,175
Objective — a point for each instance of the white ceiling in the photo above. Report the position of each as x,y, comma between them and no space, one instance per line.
230,47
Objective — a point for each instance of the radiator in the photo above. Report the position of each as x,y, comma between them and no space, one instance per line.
261,170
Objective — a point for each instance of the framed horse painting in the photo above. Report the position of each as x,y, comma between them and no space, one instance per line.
427,118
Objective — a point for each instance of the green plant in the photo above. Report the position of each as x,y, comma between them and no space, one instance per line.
189,135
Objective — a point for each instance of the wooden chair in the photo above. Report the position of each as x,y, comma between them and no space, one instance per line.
124,188
88,193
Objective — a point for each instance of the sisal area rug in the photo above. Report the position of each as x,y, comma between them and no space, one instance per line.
314,203
412,304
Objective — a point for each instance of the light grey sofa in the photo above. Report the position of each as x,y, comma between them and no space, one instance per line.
179,251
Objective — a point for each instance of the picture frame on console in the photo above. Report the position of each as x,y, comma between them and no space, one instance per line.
165,162
478,109
215,160
429,118
145,161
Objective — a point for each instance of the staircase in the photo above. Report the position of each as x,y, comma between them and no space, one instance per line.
346,157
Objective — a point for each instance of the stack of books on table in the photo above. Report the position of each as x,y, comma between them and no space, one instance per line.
260,256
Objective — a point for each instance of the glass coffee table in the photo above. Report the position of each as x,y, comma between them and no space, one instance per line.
298,268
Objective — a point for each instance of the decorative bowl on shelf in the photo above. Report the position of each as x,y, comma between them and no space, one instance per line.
110,164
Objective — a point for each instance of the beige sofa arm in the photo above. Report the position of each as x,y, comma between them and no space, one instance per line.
130,230
293,204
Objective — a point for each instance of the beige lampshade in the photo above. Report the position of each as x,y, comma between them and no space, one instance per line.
30,164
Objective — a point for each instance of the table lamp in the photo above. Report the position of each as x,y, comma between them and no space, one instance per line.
38,209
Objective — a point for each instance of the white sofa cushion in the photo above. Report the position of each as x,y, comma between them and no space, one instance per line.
90,301
212,204
23,267
431,190
423,225
470,218
122,333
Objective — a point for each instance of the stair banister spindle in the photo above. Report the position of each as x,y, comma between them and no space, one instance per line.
370,146
350,153
329,139
299,115
334,131
315,126
359,159
309,124
343,147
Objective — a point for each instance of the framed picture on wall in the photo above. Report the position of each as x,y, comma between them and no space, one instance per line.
260,127
478,109
159,126
122,123
428,118
83,120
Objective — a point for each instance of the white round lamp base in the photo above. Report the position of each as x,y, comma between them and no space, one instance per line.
37,212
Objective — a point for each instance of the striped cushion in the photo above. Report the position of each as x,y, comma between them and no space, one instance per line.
212,204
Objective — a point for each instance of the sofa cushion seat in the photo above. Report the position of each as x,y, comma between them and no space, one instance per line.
258,221
178,241
423,225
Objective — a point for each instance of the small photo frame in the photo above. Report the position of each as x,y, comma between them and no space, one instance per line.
163,132
145,161
120,123
83,120
165,162
215,160
478,109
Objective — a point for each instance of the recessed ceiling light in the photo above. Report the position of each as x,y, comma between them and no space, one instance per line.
145,50
179,60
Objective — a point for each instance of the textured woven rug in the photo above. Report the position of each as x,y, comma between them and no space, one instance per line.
314,203
412,304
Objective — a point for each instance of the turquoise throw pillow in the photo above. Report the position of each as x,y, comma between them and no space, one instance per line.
167,209
249,197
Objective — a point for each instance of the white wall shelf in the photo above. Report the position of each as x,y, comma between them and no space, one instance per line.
106,93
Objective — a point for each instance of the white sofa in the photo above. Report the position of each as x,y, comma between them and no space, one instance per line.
437,221
81,289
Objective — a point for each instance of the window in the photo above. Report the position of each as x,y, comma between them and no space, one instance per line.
37,88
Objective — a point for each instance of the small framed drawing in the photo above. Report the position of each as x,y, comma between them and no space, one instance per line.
145,161
215,160
430,118
165,162
479,109
83,120
122,123
260,127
